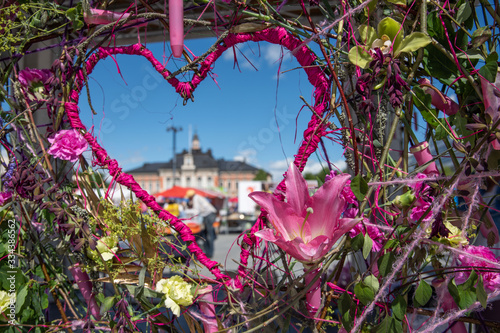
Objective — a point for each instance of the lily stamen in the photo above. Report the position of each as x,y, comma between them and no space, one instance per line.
309,211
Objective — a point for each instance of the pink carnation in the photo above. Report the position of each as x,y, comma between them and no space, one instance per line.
420,208
491,278
67,145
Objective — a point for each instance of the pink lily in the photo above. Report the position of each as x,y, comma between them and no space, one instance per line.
440,101
305,227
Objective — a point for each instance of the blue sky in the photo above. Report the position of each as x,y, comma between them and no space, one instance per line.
240,113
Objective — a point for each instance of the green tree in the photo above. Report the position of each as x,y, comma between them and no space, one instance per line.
261,175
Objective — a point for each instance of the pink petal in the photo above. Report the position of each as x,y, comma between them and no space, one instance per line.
297,194
316,248
327,205
345,225
495,144
267,234
282,216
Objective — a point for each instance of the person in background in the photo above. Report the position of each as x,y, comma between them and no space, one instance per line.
208,212
173,207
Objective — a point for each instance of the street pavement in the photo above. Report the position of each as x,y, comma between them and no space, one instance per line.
227,253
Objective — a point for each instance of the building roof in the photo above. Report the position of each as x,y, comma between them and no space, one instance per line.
150,167
201,160
235,166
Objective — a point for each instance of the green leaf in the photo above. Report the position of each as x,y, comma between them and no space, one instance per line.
367,246
422,101
439,66
471,54
385,263
441,130
389,325
413,42
391,28
434,26
489,70
398,2
368,34
372,282
359,57
463,297
481,293
480,36
345,304
21,297
399,307
107,304
471,281
423,293
463,13
357,242
370,9
364,293
359,187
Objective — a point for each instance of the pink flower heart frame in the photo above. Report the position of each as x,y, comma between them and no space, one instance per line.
312,135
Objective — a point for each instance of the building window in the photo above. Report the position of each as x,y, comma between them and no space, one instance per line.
188,181
228,184
157,186
209,181
200,184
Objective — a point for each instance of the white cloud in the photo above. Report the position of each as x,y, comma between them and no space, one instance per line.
273,53
248,156
277,169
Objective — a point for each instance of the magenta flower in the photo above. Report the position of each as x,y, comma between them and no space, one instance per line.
31,77
489,272
377,237
439,101
67,145
4,197
305,227
36,83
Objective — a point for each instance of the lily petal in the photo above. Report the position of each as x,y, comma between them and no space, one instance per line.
266,234
327,205
283,217
297,194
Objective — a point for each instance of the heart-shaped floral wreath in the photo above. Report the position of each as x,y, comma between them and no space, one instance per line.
312,135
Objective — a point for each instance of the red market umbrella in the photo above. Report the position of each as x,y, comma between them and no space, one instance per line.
180,192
